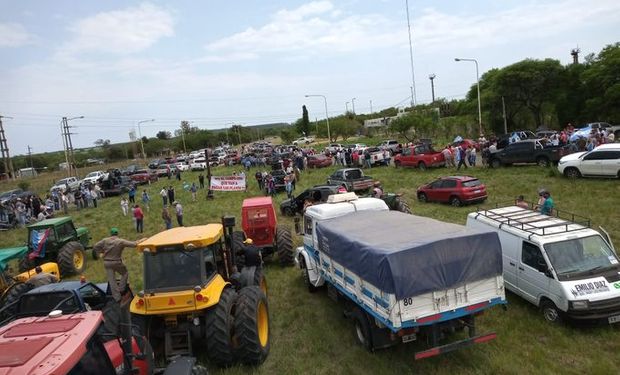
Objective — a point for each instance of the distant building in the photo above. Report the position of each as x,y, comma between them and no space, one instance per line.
27,172
383,121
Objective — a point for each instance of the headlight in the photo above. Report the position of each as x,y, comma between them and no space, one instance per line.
562,162
579,305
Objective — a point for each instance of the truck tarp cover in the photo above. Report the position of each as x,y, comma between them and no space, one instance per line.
409,255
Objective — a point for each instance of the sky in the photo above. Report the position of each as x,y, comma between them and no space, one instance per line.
252,62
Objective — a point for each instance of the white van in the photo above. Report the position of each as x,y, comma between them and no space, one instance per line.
563,266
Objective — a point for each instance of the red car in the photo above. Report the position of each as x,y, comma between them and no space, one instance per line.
319,161
419,156
144,176
455,190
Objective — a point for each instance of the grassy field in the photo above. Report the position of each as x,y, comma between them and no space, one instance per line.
308,331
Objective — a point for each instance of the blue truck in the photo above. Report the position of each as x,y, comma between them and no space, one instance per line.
401,277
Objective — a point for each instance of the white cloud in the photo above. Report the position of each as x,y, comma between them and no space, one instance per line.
13,35
121,31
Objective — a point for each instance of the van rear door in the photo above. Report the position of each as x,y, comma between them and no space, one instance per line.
531,279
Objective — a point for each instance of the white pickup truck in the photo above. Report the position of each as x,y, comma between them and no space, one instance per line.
401,280
71,183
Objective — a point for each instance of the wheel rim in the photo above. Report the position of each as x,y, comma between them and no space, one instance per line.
551,315
422,197
455,202
543,162
263,323
572,173
360,333
78,259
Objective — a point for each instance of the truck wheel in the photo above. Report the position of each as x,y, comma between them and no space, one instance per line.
237,243
362,328
495,163
542,162
284,244
306,276
572,173
252,326
219,322
422,166
71,258
550,312
422,197
455,201
26,264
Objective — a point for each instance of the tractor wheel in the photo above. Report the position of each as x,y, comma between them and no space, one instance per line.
252,326
94,254
260,280
219,329
26,264
14,292
284,244
402,206
71,258
288,211
237,244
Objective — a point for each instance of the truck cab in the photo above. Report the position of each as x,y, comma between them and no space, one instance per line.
567,269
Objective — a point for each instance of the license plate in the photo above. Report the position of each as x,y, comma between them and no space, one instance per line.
408,338
614,319
476,191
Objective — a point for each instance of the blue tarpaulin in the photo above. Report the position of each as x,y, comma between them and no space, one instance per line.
410,255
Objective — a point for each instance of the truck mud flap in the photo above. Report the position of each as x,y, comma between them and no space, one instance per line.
455,345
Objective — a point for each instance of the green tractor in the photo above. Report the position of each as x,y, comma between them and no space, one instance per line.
57,240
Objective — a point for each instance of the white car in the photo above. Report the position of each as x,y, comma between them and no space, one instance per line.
182,167
603,161
303,140
198,164
95,176
69,182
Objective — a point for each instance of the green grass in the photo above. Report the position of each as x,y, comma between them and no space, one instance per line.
308,331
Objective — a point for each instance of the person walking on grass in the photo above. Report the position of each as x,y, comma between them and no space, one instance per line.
201,180
124,206
171,194
112,249
179,211
193,189
165,215
139,216
164,195
132,194
462,157
145,200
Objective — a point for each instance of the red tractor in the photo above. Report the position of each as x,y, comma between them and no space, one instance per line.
259,222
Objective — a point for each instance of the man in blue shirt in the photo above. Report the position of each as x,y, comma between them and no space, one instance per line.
547,206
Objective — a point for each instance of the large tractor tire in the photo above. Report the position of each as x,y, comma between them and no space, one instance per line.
72,258
26,264
237,243
252,326
13,293
112,318
219,329
284,244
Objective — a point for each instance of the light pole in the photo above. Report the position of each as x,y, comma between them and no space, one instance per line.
140,135
478,85
432,77
413,94
329,137
353,105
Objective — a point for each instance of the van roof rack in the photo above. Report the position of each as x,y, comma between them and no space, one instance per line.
533,222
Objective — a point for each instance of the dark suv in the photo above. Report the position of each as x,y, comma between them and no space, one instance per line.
295,205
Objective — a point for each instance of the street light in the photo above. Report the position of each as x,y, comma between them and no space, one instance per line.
432,77
478,85
140,135
326,113
353,105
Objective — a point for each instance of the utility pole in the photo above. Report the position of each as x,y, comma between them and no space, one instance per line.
69,157
413,96
432,78
316,126
504,114
370,105
4,149
30,155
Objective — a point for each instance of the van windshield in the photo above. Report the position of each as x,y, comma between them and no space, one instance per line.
580,255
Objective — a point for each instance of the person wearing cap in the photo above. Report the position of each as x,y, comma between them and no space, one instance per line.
41,278
112,248
251,253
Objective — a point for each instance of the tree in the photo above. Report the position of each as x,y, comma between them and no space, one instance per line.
303,126
102,143
185,129
162,134
402,125
287,136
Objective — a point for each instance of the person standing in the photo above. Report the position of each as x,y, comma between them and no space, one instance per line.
65,202
139,216
461,153
171,194
112,249
132,194
164,195
201,180
145,200
259,180
193,189
124,206
94,195
179,211
165,215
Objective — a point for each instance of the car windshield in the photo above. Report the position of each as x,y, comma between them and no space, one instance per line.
92,174
39,304
471,183
580,255
170,270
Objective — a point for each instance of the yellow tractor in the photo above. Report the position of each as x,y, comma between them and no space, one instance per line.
194,292
12,287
